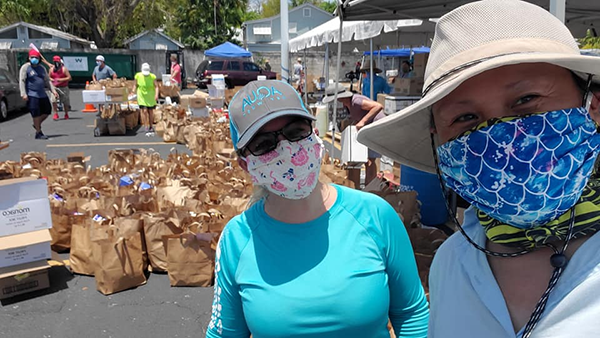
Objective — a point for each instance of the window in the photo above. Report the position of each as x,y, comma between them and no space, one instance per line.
233,65
261,29
251,67
215,65
292,27
35,34
3,78
306,12
160,46
9,34
49,45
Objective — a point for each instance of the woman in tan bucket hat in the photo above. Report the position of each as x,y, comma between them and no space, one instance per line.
505,121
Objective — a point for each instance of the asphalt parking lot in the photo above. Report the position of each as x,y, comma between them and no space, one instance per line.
72,307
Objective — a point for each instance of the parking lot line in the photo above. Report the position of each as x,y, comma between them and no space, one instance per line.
106,144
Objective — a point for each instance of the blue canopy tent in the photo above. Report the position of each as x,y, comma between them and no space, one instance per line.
228,50
403,52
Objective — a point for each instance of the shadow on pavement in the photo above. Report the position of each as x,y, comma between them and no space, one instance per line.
59,276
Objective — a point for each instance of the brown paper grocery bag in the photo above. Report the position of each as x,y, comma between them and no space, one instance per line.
155,227
191,260
60,233
80,259
119,262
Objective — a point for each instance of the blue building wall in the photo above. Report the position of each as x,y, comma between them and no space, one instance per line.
296,15
150,40
23,38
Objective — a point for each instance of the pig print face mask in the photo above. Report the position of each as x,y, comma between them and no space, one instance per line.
291,170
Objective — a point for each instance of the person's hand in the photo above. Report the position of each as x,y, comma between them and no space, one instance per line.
55,94
359,125
24,97
156,98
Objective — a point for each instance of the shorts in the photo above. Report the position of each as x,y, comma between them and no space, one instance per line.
63,95
146,107
39,106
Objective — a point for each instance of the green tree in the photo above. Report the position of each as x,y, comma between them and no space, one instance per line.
31,11
196,21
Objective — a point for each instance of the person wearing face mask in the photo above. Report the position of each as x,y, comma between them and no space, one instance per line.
506,122
60,79
102,70
175,71
307,259
33,81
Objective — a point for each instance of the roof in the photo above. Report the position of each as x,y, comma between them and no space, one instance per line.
48,30
133,38
228,50
291,10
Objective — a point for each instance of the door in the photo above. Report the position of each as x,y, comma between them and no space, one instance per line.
235,74
252,70
11,90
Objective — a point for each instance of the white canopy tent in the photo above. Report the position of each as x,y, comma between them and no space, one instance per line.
388,32
578,15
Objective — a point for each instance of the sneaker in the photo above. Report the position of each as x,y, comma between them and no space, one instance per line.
40,136
55,117
151,130
146,129
66,116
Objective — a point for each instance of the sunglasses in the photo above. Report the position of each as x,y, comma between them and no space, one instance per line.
266,142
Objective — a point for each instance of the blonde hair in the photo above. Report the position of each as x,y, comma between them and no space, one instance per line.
259,193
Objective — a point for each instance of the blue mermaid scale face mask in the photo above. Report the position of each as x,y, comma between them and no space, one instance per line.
524,171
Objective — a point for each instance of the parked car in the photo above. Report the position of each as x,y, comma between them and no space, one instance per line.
239,72
10,96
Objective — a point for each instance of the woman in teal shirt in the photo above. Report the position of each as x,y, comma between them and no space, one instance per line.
307,259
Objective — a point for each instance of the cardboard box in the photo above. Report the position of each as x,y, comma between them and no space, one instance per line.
394,104
77,157
408,87
24,206
230,93
24,248
93,86
120,91
24,278
169,91
381,98
199,112
93,96
352,150
202,94
192,101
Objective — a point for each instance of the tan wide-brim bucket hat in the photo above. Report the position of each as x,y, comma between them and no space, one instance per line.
468,41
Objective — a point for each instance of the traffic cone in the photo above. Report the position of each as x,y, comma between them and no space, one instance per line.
89,108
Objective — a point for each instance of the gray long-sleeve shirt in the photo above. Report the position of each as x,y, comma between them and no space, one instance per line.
34,80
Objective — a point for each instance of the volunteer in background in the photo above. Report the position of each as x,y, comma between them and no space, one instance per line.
267,66
363,111
405,70
307,259
506,108
33,80
380,85
146,88
298,75
60,79
102,70
175,71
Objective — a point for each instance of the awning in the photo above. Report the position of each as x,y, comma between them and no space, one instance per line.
580,14
402,52
355,30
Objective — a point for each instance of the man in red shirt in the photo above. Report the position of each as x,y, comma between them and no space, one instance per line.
175,71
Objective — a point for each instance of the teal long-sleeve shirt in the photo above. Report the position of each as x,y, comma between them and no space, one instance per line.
339,276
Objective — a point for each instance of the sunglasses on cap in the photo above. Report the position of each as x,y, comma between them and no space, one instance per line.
264,143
